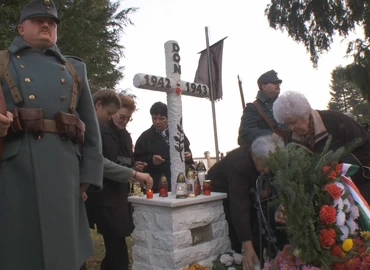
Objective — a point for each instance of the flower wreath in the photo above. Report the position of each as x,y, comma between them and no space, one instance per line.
326,217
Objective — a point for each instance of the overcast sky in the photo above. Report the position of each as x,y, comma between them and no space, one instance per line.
252,48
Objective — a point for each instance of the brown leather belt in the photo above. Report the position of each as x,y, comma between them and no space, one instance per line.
50,126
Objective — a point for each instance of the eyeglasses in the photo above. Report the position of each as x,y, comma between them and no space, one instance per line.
125,117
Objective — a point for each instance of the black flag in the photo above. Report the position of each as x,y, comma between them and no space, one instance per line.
201,76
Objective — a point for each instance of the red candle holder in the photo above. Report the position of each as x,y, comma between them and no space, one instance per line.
163,192
207,187
149,194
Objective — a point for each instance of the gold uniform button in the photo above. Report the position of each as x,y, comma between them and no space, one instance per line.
18,56
27,80
63,81
31,97
63,67
62,98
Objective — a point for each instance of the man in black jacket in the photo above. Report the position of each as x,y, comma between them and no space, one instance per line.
236,174
153,149
252,124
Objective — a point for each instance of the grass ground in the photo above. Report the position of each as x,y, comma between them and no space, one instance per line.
93,263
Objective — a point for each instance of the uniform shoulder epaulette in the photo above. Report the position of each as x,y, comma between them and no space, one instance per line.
73,57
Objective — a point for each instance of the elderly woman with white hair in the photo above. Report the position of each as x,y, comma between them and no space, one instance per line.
236,175
311,128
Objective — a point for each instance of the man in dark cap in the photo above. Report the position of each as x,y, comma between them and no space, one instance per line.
258,119
51,151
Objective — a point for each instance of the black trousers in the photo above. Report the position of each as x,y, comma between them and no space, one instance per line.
116,254
236,245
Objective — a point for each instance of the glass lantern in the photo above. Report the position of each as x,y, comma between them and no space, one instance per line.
181,187
163,186
190,182
201,170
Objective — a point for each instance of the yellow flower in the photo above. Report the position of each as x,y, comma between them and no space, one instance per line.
347,244
343,254
365,235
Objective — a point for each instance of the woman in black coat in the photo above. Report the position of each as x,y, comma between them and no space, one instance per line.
153,149
109,208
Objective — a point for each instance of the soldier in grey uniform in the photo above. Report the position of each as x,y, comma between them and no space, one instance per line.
252,124
52,149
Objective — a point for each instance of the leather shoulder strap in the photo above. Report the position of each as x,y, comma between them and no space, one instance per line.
4,60
4,71
76,87
3,64
257,105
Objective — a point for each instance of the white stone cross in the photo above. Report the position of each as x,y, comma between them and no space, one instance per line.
174,88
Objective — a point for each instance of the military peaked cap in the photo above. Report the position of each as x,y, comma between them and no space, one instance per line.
268,77
38,9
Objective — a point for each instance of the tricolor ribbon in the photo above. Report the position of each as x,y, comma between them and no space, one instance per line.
347,171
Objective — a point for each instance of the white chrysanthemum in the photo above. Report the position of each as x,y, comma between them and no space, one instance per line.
238,258
355,212
233,251
340,185
338,203
347,206
341,218
231,268
352,226
226,259
345,232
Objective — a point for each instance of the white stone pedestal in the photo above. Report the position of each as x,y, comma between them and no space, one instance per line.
172,233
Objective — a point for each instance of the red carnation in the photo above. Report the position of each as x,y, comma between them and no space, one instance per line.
338,266
332,175
327,237
359,246
366,262
328,214
338,169
336,251
334,191
353,263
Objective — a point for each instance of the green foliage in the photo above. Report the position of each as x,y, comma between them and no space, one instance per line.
299,180
90,29
314,23
346,95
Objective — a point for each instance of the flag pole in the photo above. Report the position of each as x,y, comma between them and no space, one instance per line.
212,98
241,92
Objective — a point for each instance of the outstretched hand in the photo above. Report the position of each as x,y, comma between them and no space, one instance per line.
280,217
250,257
146,181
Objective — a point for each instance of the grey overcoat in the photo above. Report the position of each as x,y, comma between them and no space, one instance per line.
43,224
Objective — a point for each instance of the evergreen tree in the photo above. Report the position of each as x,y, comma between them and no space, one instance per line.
89,29
346,96
315,23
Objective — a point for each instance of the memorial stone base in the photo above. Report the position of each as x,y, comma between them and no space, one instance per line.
172,233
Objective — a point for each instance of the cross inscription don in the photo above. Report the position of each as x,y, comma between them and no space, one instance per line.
174,87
